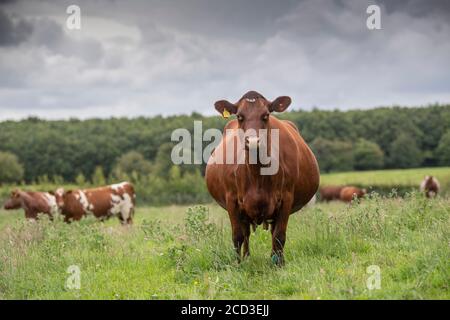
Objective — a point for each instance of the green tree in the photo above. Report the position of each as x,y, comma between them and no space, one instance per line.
132,163
11,170
98,178
443,150
333,155
80,180
367,155
404,153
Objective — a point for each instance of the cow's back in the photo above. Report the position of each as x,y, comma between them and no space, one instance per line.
349,193
329,193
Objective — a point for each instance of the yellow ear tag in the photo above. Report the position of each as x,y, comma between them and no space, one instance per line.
226,113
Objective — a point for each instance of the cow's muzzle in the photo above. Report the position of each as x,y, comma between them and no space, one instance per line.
252,142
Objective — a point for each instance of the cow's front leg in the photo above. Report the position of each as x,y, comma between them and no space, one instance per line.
278,229
236,228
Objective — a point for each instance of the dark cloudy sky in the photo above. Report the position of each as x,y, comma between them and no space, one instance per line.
134,58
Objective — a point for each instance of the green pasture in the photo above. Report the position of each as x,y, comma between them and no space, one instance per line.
177,252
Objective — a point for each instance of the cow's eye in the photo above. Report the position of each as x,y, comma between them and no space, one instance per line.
240,118
265,117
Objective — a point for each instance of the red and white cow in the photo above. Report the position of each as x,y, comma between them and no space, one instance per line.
103,202
32,203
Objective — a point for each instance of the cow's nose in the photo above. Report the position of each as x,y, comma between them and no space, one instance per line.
251,142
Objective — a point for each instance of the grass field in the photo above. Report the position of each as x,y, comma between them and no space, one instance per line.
174,253
389,178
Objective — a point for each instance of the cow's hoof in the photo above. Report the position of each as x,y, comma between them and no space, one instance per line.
277,260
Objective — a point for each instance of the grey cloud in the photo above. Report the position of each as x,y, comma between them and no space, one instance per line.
13,31
167,57
419,8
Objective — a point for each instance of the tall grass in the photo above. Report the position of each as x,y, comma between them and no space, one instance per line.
179,252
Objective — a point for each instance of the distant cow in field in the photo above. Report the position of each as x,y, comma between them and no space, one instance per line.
430,186
32,203
330,193
349,193
250,197
104,202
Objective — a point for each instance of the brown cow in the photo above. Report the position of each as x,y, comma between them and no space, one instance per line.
104,202
249,196
349,193
430,186
330,193
33,203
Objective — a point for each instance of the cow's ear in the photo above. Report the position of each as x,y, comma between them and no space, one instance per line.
225,108
280,104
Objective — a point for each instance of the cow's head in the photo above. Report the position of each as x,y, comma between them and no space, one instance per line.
363,192
253,113
14,201
428,181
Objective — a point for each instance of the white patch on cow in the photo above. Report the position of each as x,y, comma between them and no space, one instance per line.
51,201
127,207
84,202
437,183
250,99
116,187
121,205
422,184
59,192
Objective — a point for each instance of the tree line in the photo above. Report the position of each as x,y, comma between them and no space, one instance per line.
97,151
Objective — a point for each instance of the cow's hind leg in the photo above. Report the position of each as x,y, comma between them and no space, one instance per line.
236,227
238,239
246,231
126,216
130,217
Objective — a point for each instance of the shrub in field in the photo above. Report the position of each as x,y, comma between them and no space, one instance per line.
197,224
98,177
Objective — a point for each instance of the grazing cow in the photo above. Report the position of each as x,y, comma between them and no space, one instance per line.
250,197
349,193
330,193
32,203
430,186
114,200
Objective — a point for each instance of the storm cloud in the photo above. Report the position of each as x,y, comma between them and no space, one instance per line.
134,58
